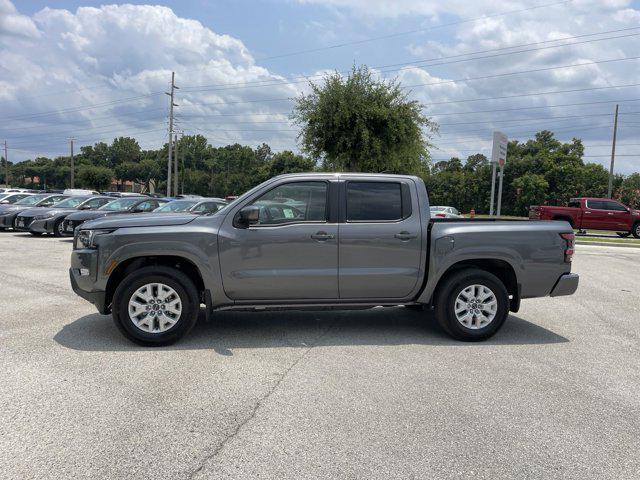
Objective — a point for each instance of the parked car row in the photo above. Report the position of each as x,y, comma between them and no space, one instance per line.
60,214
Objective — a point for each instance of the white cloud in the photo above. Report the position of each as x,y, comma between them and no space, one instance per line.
61,61
101,55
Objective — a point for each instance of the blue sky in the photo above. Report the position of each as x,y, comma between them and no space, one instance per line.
95,70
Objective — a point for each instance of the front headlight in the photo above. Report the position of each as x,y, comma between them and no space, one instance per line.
87,238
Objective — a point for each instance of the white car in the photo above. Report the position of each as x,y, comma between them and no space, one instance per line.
445,212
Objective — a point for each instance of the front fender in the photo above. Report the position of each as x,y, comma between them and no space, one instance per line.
194,243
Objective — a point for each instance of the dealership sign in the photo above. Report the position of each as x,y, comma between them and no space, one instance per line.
499,150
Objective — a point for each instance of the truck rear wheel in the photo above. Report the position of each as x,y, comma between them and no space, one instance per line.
636,230
155,306
472,305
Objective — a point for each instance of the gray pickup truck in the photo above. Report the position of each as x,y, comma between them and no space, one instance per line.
306,241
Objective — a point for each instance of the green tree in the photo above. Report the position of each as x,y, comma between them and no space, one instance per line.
124,149
629,192
362,124
531,189
95,177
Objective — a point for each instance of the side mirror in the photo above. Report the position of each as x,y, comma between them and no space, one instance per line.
84,207
4,201
249,216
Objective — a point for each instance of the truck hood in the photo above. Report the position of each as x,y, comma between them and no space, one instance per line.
139,220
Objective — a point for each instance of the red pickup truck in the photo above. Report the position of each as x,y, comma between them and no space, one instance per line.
592,214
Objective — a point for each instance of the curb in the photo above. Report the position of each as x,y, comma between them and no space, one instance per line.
609,244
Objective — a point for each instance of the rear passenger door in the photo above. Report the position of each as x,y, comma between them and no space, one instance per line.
379,239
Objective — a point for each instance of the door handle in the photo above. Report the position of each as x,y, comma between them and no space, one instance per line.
405,236
322,236
609,213
587,211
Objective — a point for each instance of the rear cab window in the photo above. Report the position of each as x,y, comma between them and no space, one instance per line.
371,201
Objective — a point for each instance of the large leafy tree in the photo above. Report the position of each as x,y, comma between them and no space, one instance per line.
124,149
359,123
95,177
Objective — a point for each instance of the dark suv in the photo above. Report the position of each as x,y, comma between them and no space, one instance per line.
119,205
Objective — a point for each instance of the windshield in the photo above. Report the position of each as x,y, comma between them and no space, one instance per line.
119,205
72,202
176,206
31,200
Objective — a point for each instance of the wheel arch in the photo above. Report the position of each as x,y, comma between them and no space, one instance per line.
502,269
177,262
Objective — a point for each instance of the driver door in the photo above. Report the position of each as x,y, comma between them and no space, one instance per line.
290,254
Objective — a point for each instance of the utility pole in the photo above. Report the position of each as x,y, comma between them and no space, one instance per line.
73,173
171,105
613,153
6,165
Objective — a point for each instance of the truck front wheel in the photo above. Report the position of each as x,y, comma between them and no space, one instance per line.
472,304
636,230
155,306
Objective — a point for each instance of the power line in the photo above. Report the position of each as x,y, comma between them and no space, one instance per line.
410,32
83,107
534,70
418,63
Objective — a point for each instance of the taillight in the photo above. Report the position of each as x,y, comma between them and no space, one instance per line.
440,215
570,238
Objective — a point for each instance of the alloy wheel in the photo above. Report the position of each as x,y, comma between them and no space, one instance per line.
476,306
155,308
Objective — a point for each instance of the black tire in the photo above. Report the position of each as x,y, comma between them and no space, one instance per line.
58,229
36,234
452,286
179,282
623,234
636,230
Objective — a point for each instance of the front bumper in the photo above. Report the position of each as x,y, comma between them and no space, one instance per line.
83,276
6,220
567,284
22,224
44,225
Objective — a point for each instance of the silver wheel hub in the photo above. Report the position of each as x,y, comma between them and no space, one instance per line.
155,308
476,306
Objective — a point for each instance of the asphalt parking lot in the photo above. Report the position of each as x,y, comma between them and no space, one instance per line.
368,394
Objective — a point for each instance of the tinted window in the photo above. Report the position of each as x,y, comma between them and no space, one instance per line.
95,202
71,202
146,206
176,206
595,204
119,205
51,201
374,201
206,207
294,202
609,205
